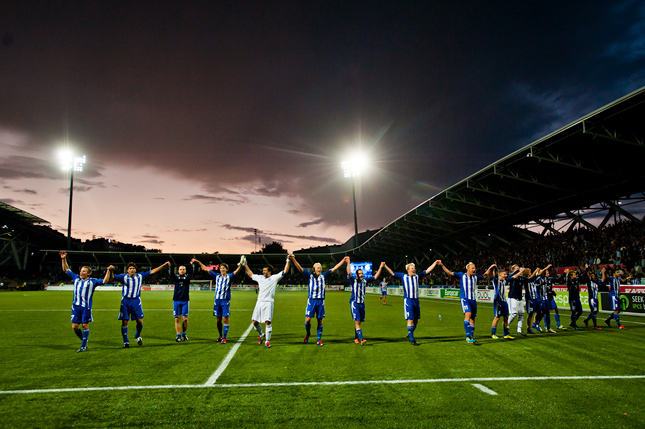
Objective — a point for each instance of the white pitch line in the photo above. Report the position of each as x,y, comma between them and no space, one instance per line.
328,383
228,358
94,310
484,389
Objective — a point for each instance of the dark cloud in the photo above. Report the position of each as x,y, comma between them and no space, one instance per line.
214,199
240,228
65,191
11,201
313,222
26,191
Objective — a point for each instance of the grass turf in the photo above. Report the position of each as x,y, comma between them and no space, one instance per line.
39,353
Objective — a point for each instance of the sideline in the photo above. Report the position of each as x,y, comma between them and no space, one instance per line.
222,367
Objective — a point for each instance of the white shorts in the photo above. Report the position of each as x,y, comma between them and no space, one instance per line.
515,306
263,311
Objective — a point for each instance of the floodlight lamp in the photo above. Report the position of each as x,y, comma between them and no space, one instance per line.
353,166
79,161
66,159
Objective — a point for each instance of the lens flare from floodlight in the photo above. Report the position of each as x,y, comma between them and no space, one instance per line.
79,161
66,159
354,165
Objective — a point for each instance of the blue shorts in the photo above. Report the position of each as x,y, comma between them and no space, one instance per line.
358,311
412,308
545,305
130,309
315,308
383,292
469,306
531,305
500,309
575,305
552,304
180,308
222,308
593,305
81,314
614,301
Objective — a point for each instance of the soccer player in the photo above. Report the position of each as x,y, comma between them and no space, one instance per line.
613,283
573,285
383,291
84,288
550,296
591,280
180,299
468,295
316,299
131,299
222,304
411,307
357,299
263,311
515,307
541,284
500,305
531,296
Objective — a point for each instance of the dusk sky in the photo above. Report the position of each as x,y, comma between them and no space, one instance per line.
204,120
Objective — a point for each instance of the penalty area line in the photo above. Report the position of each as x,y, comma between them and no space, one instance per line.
485,389
211,381
324,383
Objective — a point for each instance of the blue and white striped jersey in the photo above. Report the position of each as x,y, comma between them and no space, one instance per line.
531,288
222,285
468,285
83,289
613,284
500,290
410,284
316,284
358,289
592,288
542,287
132,285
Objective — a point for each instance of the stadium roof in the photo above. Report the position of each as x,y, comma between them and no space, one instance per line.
8,212
598,158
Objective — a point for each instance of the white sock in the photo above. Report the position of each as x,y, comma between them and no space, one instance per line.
510,319
258,328
520,320
269,329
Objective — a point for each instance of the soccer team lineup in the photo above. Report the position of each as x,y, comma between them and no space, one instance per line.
518,291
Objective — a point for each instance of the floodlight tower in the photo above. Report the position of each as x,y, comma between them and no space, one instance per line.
71,163
352,168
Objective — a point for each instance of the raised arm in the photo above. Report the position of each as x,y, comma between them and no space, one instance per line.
349,268
238,269
202,266
156,270
247,269
108,274
446,270
492,267
295,263
544,269
378,273
604,274
63,257
432,267
388,269
286,266
342,261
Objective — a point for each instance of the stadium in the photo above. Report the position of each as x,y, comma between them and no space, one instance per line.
552,199
183,185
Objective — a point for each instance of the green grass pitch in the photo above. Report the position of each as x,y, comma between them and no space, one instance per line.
302,385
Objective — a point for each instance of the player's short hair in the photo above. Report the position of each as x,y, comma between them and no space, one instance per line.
131,264
514,267
360,269
269,268
225,265
502,271
469,264
89,270
317,263
407,266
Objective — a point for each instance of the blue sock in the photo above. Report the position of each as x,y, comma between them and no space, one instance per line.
319,330
411,333
225,331
557,319
360,334
139,329
471,329
494,330
593,317
124,332
466,327
617,318
178,335
86,335
308,328
506,332
79,333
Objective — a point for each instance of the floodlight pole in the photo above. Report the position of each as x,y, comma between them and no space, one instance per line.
355,217
69,217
